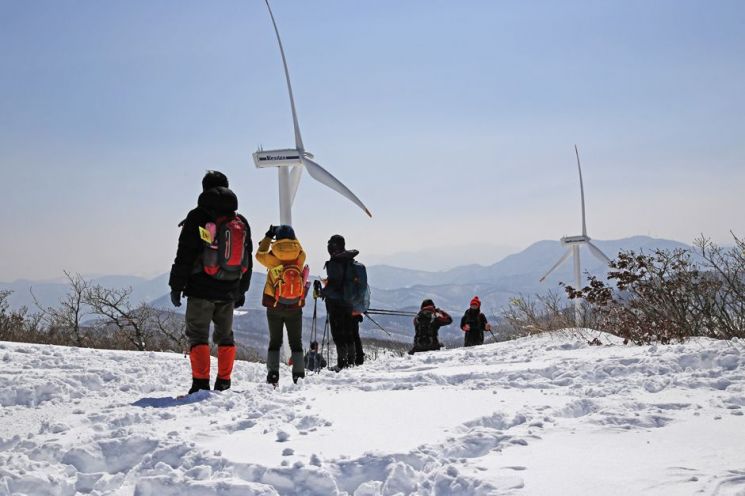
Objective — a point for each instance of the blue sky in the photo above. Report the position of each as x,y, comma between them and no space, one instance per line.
453,121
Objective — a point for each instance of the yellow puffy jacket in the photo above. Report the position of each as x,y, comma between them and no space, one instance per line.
278,253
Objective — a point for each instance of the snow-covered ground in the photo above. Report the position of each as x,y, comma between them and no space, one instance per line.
539,416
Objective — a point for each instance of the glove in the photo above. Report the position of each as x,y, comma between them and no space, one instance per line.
466,327
488,327
176,298
272,231
317,288
240,301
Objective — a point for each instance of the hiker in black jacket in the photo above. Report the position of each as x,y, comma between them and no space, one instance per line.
427,324
211,298
345,327
474,323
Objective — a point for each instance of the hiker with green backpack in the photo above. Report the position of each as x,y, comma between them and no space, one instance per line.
284,297
347,297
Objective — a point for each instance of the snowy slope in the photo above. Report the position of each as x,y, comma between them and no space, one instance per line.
537,416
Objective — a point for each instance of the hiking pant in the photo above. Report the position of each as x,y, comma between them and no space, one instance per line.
199,314
474,337
278,319
343,325
359,354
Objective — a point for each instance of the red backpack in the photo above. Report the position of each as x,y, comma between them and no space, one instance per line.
225,256
290,284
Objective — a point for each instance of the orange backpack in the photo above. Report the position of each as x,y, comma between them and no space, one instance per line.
289,283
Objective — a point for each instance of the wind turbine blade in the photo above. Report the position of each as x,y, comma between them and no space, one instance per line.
557,264
295,174
324,177
598,254
298,138
582,192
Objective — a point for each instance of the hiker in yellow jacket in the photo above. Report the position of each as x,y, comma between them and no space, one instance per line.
284,297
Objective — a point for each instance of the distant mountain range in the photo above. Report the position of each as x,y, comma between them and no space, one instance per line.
393,287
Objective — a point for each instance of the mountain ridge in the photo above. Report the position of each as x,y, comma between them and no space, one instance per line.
395,287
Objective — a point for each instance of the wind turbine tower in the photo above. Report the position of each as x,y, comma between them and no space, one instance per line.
290,162
573,244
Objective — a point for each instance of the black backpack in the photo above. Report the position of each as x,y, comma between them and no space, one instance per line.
425,328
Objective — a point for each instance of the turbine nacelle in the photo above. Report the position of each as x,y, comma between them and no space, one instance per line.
574,240
286,157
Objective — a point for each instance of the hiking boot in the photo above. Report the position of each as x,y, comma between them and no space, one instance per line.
198,385
295,377
359,359
222,384
272,378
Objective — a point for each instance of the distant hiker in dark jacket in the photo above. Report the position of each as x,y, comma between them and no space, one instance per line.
474,323
284,297
314,361
427,325
345,327
214,284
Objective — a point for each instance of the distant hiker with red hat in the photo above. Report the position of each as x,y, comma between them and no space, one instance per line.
284,297
474,323
427,324
213,270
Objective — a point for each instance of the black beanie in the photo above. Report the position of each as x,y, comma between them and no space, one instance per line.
214,179
428,303
285,232
336,244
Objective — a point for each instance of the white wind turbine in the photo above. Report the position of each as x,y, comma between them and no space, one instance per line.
291,161
573,244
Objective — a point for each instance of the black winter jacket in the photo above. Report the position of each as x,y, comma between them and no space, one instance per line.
186,273
427,324
336,270
477,323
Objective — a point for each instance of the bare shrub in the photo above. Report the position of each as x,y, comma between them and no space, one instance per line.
21,325
170,330
727,266
65,319
548,312
665,296
117,313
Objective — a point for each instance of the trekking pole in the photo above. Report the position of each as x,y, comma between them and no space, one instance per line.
379,326
493,336
398,313
324,340
313,327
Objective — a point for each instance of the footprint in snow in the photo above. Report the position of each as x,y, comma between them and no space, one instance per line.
282,436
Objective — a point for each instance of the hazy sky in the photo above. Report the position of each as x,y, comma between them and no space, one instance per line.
454,121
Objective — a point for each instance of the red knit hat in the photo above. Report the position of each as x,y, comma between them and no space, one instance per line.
476,301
